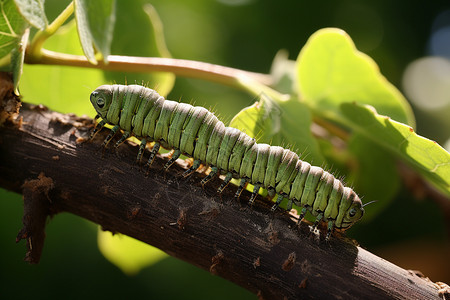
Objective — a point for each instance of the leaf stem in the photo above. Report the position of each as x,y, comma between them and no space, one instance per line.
35,51
332,128
182,67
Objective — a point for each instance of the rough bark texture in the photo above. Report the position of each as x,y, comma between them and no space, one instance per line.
43,158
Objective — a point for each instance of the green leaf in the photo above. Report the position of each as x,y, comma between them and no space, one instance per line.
95,23
33,11
12,27
128,254
331,71
375,176
66,89
283,72
147,41
286,123
425,156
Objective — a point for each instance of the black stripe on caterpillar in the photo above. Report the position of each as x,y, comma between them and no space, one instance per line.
198,133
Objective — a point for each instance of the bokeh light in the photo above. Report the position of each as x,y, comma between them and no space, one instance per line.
426,82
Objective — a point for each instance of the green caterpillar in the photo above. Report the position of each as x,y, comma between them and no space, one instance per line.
196,132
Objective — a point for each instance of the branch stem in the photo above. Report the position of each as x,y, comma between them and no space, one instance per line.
35,49
181,67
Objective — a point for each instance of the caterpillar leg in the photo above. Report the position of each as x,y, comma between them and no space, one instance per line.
318,219
278,202
192,169
329,229
211,174
241,186
225,182
254,194
141,150
289,205
110,136
302,215
175,156
125,135
151,158
97,128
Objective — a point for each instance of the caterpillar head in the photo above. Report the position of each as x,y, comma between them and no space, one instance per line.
101,99
350,209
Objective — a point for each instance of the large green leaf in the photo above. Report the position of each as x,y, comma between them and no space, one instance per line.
66,89
95,23
12,27
331,71
425,156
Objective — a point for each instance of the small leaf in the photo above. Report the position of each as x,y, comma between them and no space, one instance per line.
331,71
284,73
128,254
17,57
425,156
95,23
33,11
12,27
285,123
260,121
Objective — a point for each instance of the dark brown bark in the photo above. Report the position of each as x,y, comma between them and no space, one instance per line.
44,160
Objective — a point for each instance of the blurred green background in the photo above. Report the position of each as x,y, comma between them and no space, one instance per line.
410,41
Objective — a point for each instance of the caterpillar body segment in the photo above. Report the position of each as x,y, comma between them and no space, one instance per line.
198,133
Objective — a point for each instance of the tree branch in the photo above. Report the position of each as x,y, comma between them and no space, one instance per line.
258,250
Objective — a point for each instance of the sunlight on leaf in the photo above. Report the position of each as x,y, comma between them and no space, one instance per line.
425,156
33,11
128,254
12,27
332,71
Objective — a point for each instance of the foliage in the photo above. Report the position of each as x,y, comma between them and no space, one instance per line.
331,84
